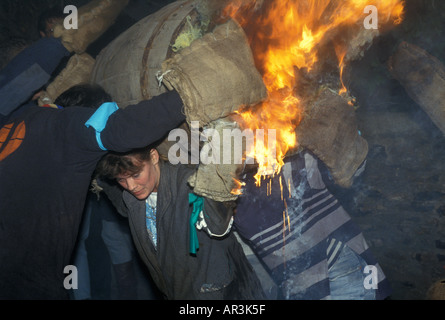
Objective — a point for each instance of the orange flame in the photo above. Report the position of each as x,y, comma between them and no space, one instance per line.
288,34
341,64
237,190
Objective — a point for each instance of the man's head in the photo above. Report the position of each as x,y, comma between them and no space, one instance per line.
137,171
83,95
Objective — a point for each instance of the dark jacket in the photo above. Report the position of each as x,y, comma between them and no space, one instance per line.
219,270
47,158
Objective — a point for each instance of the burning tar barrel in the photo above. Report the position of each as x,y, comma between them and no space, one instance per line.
128,66
179,47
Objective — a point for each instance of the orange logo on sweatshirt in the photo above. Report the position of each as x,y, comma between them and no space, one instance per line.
11,137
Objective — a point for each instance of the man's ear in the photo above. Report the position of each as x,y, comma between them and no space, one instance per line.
154,156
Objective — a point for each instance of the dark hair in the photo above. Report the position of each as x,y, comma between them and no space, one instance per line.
84,95
114,163
55,12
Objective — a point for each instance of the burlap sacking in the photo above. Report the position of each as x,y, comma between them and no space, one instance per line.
214,177
166,145
94,19
215,75
330,131
437,291
77,71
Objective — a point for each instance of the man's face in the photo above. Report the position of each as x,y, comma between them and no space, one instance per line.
49,29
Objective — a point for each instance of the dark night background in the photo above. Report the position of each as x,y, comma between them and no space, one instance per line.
399,202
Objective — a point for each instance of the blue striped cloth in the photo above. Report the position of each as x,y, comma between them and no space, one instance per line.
298,228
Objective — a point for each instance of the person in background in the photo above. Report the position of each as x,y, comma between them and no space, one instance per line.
101,223
14,45
186,262
308,243
25,76
47,21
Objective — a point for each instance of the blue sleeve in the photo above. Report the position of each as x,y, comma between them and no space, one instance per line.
99,119
29,71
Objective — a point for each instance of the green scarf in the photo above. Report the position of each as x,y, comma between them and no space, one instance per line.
198,203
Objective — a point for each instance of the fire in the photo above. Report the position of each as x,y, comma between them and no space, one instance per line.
238,187
286,35
341,64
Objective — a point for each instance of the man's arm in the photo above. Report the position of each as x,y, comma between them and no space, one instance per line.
139,125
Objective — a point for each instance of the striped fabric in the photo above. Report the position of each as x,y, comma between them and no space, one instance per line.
298,228
333,251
